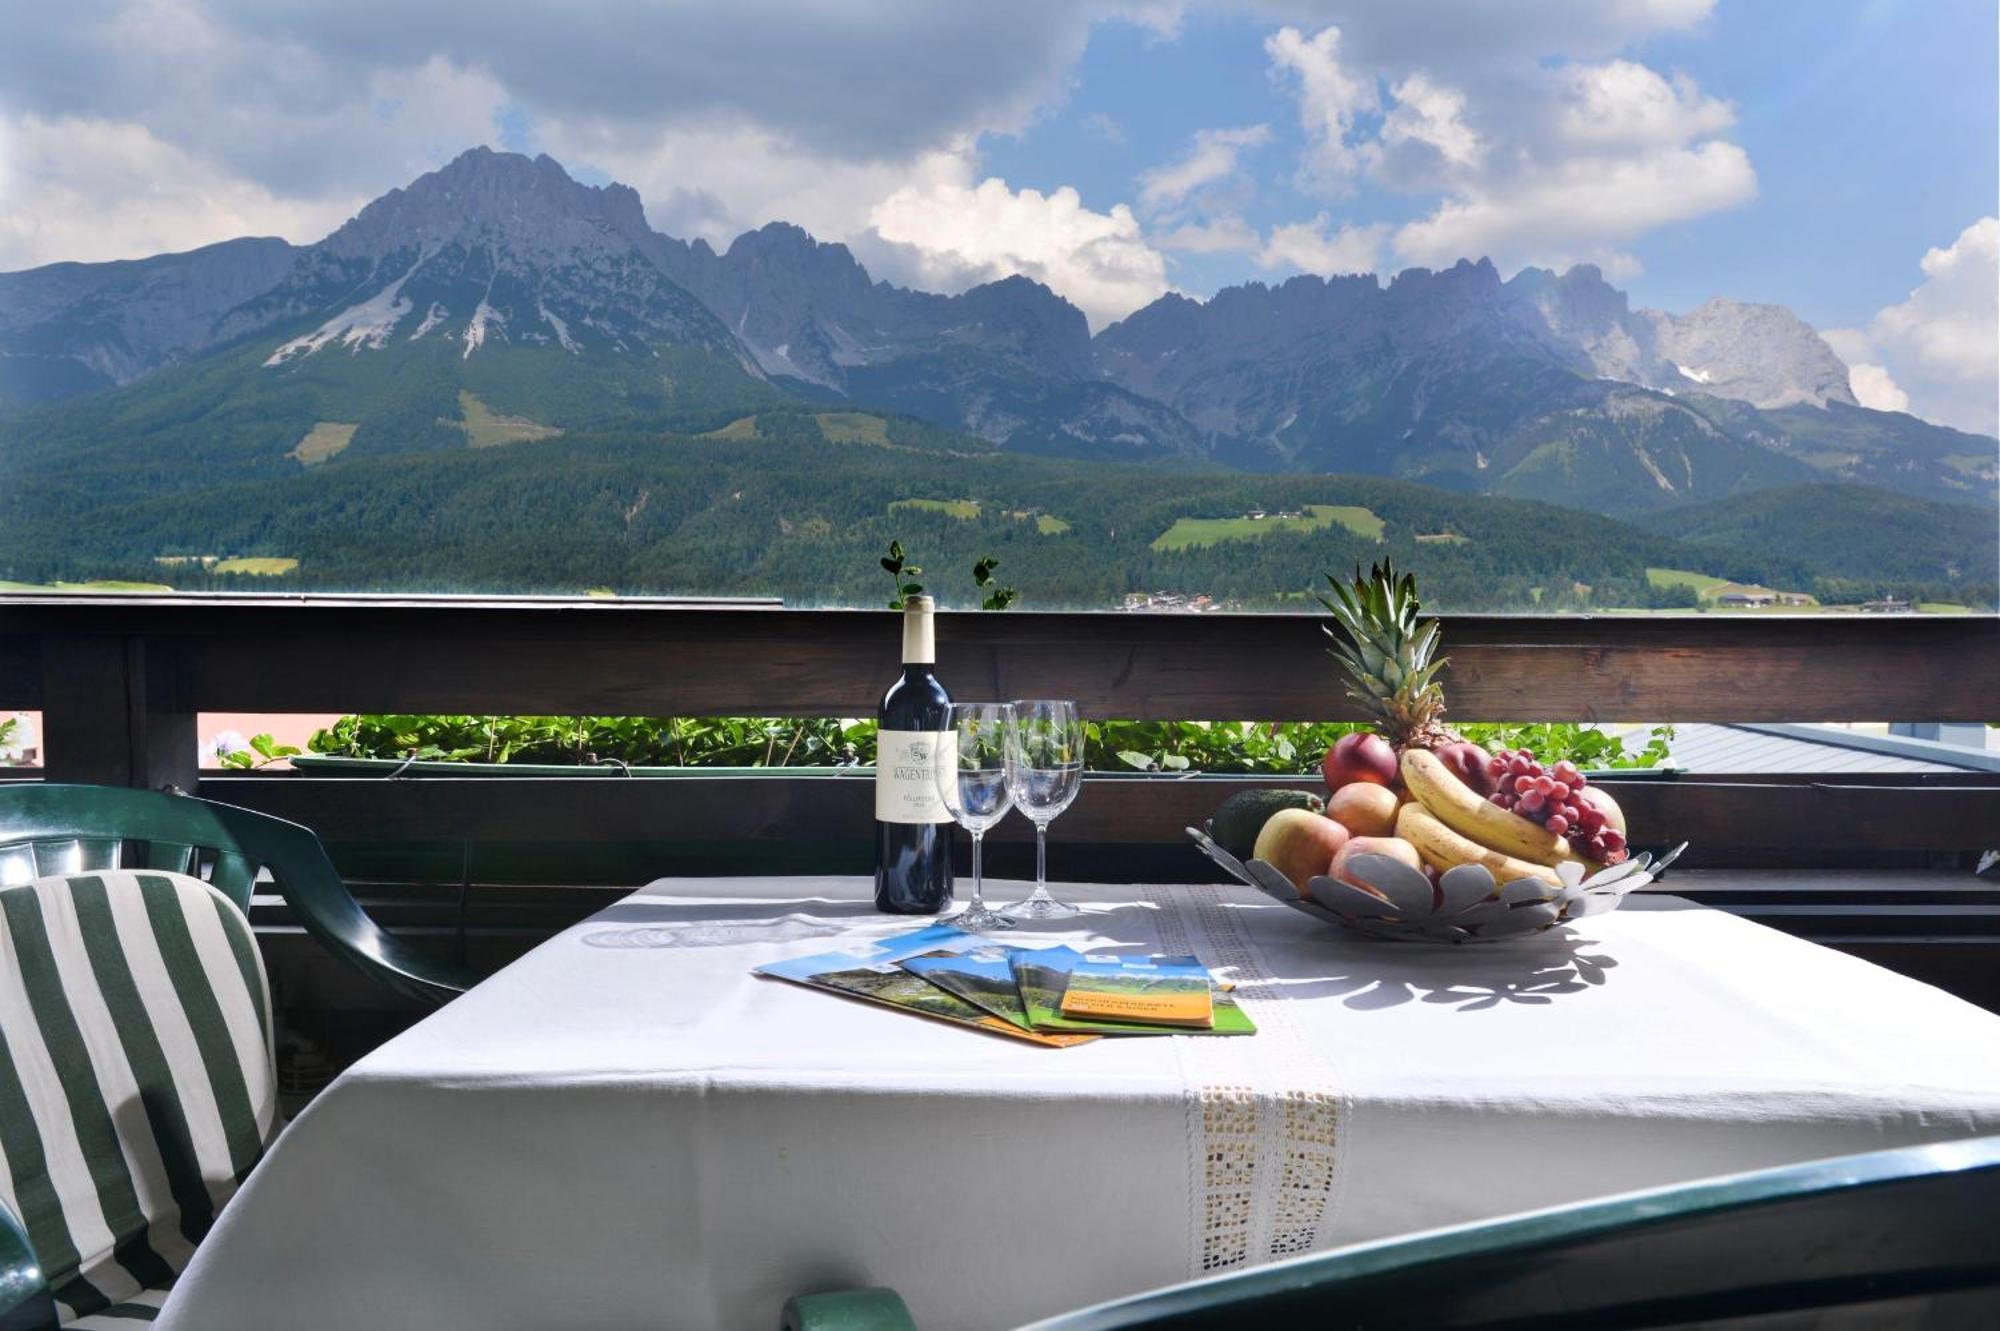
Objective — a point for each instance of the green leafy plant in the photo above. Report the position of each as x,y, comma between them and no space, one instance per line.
1296,748
904,575
1233,747
992,594
636,741
263,750
998,597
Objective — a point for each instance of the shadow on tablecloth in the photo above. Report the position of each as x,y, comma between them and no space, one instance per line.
1379,974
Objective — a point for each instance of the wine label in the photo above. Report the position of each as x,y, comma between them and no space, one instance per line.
905,782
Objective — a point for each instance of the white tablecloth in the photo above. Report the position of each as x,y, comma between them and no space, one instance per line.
622,1130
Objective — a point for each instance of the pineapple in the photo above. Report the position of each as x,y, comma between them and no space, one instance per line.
1387,657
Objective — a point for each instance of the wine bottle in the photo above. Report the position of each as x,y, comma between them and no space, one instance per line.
912,826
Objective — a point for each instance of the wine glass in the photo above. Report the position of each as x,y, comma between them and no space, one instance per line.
1044,769
972,781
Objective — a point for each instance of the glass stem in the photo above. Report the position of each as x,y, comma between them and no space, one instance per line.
978,899
1041,859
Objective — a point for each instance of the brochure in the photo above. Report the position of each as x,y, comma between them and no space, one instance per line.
871,972
1043,974
1165,991
981,977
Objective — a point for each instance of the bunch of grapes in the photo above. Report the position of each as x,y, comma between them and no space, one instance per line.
1554,798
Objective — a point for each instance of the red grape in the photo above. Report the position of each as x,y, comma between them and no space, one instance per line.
1532,801
1566,771
1559,790
1613,839
1557,824
1523,784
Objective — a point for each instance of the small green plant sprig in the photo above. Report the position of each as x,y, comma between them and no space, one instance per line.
999,598
992,595
904,575
263,750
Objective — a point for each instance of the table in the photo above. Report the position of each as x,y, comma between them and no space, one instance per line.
623,1129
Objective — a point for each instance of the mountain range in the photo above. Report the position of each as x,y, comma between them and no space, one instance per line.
1544,385
499,378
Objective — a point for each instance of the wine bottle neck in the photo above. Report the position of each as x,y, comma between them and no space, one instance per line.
919,637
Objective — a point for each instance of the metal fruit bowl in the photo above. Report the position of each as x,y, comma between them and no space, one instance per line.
1467,905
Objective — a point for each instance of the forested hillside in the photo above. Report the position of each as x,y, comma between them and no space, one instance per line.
800,504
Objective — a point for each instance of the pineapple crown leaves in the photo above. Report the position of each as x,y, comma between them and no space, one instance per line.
1389,660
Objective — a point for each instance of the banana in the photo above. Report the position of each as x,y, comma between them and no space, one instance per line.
1443,848
1463,810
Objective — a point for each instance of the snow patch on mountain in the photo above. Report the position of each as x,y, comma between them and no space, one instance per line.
434,316
554,321
368,324
475,332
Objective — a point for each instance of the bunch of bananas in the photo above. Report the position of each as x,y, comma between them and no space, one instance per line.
1451,824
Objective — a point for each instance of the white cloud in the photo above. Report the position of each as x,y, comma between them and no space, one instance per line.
1581,208
1623,103
963,235
1947,326
1462,39
1432,115
1312,247
200,167
1212,159
1586,158
90,190
1332,96
1937,353
1868,378
1873,388
719,180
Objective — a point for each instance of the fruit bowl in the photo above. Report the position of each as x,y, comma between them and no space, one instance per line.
1468,905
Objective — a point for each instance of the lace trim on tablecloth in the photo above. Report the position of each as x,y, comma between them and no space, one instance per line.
1264,1147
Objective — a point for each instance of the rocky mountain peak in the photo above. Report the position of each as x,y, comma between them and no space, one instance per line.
1027,320
781,250
1761,354
499,199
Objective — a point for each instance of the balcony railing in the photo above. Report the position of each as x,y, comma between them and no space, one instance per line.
487,867
120,682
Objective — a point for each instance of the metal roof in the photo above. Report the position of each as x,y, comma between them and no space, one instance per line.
1705,747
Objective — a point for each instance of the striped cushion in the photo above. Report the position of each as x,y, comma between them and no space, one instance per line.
136,1078
120,1316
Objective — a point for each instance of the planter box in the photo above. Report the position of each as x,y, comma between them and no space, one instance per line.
328,765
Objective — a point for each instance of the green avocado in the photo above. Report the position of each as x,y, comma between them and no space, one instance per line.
1243,815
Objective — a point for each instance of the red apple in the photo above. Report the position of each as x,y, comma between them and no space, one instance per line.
1361,756
1468,762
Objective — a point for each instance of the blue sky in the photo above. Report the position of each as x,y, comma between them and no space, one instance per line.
1834,156
1871,128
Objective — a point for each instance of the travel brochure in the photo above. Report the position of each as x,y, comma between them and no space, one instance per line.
1049,996
1169,991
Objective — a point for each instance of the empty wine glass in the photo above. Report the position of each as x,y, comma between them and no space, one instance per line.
1044,769
972,782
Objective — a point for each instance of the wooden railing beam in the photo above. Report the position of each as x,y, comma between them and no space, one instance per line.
612,658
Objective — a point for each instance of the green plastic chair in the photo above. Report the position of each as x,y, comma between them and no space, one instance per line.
51,829
1913,1224
112,1248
